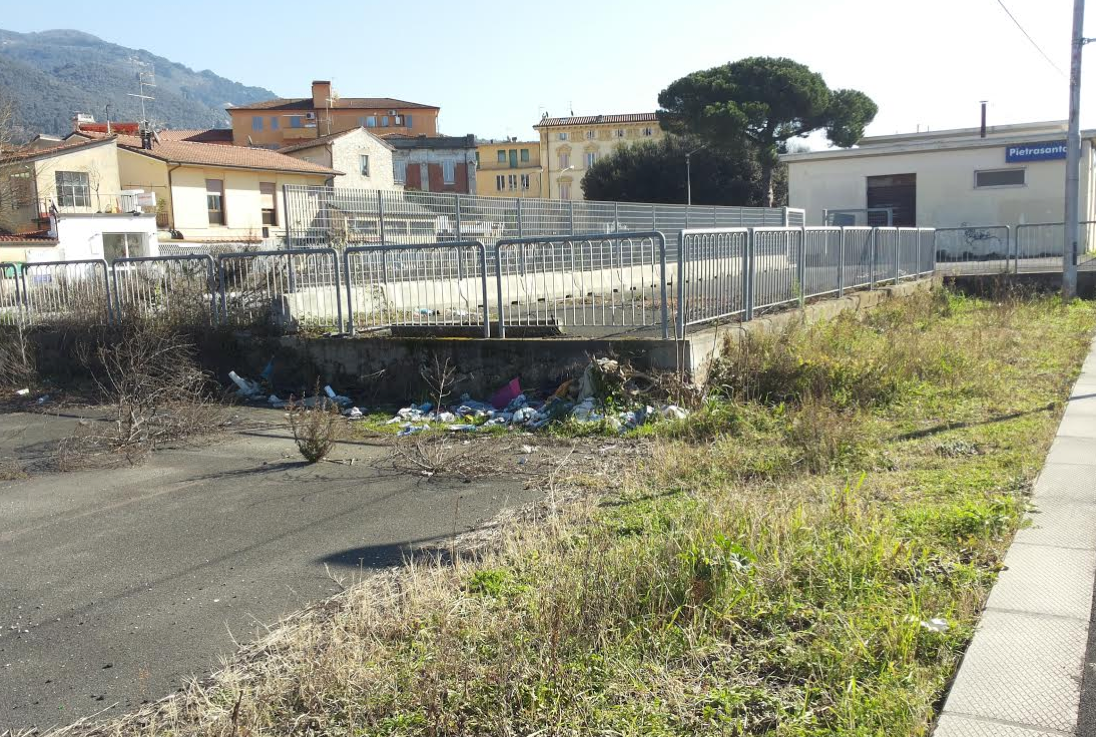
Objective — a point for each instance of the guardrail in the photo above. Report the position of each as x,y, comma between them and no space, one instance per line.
52,291
436,284
611,280
291,288
973,248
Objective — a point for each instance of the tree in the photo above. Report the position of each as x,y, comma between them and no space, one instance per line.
764,102
654,171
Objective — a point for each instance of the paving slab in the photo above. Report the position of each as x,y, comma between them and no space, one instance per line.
1067,449
1060,523
1038,579
955,725
1063,481
1023,669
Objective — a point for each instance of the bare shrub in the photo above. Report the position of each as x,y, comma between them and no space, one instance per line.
316,429
17,361
439,379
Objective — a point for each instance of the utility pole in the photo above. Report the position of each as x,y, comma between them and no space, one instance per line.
689,175
1073,155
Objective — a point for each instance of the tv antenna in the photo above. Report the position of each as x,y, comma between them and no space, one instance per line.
146,77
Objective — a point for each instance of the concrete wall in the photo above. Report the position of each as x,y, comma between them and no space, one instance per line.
577,145
946,195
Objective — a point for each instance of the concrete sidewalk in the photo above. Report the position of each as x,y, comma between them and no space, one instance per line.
1022,675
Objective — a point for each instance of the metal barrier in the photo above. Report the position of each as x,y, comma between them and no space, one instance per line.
56,290
1039,246
820,271
775,259
171,289
974,248
11,301
610,280
292,288
712,275
430,284
885,263
857,258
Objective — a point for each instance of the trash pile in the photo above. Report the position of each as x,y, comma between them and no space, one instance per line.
603,385
253,391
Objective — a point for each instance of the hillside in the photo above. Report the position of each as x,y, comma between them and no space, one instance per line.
52,74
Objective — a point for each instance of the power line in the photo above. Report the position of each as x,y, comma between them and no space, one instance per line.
1029,38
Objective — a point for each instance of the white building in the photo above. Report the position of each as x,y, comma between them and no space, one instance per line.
364,159
1009,175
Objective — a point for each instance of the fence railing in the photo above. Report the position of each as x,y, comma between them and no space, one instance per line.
974,248
621,282
608,281
356,217
434,284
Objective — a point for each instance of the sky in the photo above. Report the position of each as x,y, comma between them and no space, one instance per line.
494,67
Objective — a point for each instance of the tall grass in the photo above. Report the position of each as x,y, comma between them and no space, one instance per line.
772,571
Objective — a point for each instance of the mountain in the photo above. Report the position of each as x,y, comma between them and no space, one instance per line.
52,74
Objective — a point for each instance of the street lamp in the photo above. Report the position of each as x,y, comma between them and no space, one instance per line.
561,172
689,174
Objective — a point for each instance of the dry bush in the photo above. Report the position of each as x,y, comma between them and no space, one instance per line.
317,429
826,439
17,360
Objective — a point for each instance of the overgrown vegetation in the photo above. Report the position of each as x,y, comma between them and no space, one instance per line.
806,555
317,428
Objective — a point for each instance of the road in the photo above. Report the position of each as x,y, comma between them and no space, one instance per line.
117,586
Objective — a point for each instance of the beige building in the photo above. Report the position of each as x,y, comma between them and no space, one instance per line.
208,192
282,122
509,168
364,159
570,146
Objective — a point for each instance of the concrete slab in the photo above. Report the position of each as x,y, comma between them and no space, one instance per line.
1065,449
1079,425
1060,523
1044,580
955,725
1024,669
1065,482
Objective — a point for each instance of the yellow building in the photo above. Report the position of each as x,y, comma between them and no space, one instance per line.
570,146
283,122
508,168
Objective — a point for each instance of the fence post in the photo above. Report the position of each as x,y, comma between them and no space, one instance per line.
841,265
521,229
288,220
571,216
801,266
873,244
482,250
616,217
380,215
682,254
459,232
748,275
787,219
662,275
349,293
498,283
897,255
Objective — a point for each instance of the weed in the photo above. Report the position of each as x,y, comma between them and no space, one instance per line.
316,429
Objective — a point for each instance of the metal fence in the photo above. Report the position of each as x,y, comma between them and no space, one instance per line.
1040,246
712,275
52,291
171,289
430,284
332,216
974,248
289,289
615,280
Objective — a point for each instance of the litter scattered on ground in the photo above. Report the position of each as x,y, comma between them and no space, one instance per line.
246,387
22,392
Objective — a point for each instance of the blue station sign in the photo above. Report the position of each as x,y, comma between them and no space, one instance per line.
1045,151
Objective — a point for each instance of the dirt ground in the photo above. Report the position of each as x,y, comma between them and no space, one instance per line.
117,585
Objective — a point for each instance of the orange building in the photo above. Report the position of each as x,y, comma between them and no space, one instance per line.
283,122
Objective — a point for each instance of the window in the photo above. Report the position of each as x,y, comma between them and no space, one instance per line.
384,121
1000,178
371,121
525,156
399,171
269,203
398,120
215,201
512,180
273,123
648,131
619,133
590,135
449,172
564,161
407,120
591,158
477,160
73,189
565,190
20,189
525,181
502,156
256,122
500,182
563,135
363,164
295,121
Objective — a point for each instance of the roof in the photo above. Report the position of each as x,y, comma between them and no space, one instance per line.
32,154
324,140
921,145
1051,126
206,135
39,238
404,141
598,119
349,103
215,154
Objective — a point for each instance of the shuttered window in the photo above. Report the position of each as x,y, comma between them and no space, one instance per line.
269,203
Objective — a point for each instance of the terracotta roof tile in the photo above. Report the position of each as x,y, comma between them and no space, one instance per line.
40,237
11,157
204,135
215,154
595,119
349,103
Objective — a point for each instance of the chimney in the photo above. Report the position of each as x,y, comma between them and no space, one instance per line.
321,94
146,140
983,119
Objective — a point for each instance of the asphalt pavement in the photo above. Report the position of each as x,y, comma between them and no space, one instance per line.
118,586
